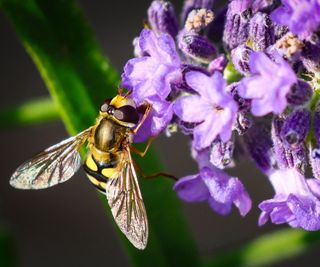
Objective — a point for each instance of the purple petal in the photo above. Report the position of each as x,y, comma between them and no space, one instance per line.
220,208
191,108
191,188
226,190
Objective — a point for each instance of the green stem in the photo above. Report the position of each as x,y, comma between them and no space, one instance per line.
29,113
267,250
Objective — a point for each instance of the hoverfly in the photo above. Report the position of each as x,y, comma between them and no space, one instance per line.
108,165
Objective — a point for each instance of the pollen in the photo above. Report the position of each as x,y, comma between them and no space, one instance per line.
290,45
199,19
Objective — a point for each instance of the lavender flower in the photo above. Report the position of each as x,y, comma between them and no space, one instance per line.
150,77
302,17
200,93
269,84
295,201
214,109
216,187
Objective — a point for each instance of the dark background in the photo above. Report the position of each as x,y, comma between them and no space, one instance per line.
67,225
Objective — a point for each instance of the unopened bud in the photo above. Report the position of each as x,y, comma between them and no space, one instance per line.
162,18
296,127
261,32
240,59
197,47
221,154
237,23
300,93
259,146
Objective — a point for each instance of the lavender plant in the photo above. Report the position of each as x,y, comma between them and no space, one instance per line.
244,78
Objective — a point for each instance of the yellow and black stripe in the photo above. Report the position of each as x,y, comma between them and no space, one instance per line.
99,172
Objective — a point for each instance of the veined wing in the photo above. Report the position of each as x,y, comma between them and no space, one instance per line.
54,165
126,203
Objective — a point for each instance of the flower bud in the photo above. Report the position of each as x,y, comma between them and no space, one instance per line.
261,32
240,59
259,146
190,5
237,23
316,123
221,154
314,159
243,104
300,93
311,56
280,31
218,64
162,18
296,127
243,123
197,47
286,157
264,5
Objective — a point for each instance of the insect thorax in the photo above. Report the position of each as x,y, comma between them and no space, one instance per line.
109,136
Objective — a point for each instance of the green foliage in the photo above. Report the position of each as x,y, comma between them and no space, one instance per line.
268,249
7,255
29,113
79,78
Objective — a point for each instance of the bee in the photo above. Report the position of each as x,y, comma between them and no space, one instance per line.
108,165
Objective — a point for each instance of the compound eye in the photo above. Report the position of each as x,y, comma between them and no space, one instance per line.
127,114
105,105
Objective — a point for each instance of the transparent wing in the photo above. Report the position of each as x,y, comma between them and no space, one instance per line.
54,165
126,203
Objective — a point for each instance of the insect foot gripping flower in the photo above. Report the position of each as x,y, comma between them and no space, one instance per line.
296,201
213,185
302,17
268,85
213,108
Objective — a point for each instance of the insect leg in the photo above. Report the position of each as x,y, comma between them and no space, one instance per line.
143,153
120,89
145,115
155,175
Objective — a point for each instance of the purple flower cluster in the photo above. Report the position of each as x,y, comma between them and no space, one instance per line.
243,77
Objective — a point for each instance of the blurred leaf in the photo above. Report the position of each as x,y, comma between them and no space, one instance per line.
231,74
79,79
268,249
7,255
29,113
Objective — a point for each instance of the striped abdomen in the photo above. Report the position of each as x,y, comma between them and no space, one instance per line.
100,171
